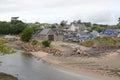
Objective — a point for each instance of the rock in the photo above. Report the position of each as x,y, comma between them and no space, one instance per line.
79,51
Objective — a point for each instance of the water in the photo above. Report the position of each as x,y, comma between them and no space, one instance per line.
29,68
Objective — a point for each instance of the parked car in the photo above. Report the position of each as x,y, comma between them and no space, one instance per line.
75,39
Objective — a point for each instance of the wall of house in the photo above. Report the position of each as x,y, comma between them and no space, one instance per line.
60,38
43,37
72,28
52,33
46,37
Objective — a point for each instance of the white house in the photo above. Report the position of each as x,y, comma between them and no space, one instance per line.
95,33
77,27
73,27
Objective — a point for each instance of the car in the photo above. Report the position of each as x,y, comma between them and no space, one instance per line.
75,39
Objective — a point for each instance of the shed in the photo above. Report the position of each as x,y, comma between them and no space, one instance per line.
46,34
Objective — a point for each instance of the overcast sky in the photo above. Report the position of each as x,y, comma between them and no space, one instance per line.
52,11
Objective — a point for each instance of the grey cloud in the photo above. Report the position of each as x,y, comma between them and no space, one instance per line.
100,11
102,17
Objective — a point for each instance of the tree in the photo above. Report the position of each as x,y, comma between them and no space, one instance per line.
97,28
118,22
63,23
37,24
27,34
74,22
12,28
79,22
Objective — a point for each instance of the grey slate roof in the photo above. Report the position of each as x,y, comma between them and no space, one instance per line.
36,34
45,31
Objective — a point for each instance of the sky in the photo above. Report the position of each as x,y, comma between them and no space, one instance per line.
54,11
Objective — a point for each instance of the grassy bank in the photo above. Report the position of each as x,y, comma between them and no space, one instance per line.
4,76
5,49
102,42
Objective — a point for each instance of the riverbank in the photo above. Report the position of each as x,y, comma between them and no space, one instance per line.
4,76
105,68
103,64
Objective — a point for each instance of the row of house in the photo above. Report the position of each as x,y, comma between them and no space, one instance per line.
57,34
75,27
73,31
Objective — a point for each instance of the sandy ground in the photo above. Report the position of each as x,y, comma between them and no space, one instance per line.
107,67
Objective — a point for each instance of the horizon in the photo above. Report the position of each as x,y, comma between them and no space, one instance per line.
54,11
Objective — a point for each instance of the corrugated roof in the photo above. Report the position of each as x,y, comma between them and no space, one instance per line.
45,31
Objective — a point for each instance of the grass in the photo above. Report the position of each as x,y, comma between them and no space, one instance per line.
0,63
52,45
4,76
5,49
102,42
65,46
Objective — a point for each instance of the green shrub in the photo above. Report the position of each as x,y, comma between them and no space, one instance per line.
5,49
46,43
27,34
34,42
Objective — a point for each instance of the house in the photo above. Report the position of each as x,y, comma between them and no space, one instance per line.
109,32
46,34
75,27
118,35
95,34
59,34
82,27
117,30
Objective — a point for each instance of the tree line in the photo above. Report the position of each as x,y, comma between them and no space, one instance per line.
12,28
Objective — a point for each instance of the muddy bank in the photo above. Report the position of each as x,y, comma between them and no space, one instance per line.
103,62
107,67
4,76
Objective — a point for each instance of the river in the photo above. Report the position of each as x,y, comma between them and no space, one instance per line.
30,68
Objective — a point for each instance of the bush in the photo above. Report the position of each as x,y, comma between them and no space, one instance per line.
5,49
34,42
46,43
27,34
